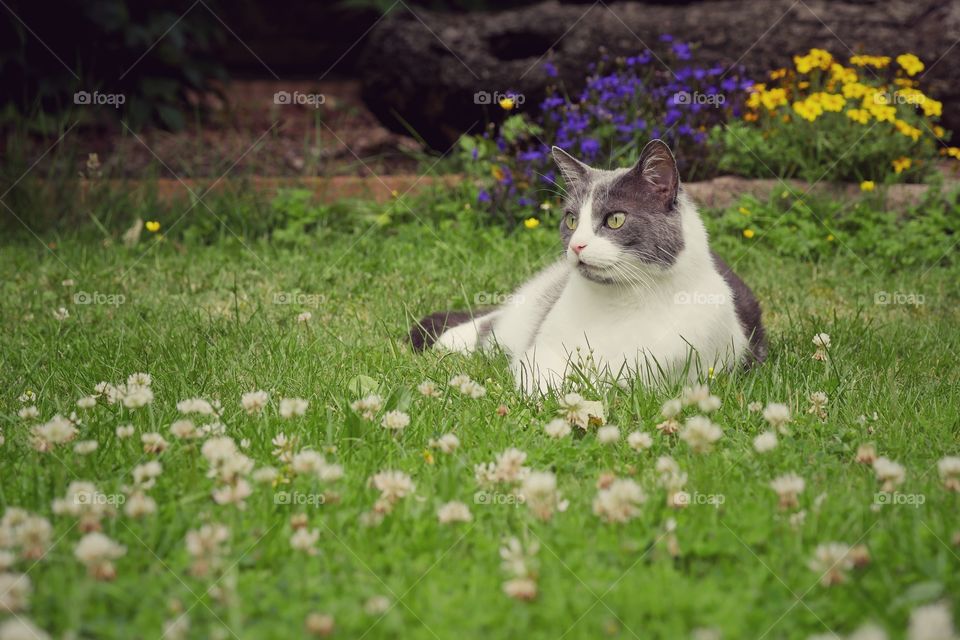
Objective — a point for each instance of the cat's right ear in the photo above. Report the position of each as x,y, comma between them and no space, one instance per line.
574,172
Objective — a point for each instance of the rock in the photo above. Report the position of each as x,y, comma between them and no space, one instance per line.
425,69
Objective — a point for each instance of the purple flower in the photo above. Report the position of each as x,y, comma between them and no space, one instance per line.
550,69
483,196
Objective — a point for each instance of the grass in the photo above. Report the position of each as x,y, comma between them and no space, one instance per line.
203,320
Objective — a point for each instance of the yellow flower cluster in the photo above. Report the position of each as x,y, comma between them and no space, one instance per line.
816,59
842,91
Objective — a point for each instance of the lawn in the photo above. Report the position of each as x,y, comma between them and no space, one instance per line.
217,320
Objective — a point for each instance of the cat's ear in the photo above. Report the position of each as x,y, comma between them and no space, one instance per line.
658,169
574,172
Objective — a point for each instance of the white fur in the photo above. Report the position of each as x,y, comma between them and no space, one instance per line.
655,322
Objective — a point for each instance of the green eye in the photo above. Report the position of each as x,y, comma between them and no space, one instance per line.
616,220
571,221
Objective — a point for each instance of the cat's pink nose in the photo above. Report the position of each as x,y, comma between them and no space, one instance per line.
577,248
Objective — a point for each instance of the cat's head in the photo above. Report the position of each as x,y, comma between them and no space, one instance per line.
620,224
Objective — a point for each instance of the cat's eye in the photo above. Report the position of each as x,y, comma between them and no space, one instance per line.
616,220
571,221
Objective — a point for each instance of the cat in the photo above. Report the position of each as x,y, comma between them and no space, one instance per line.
638,293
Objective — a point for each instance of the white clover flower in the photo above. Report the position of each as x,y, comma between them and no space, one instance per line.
949,469
184,429
15,590
145,475
765,442
85,447
671,408
931,622
206,546
253,402
304,317
265,475
153,442
755,407
832,561
27,396
608,434
291,407
787,488
393,486
97,552
61,314
137,396
821,341
140,379
305,540
28,413
376,605
558,428
639,441
522,588
21,628
368,406
395,421
619,502
198,406
698,395
428,388
124,431
87,402
139,504
447,443
700,433
452,512
539,492
890,473
777,416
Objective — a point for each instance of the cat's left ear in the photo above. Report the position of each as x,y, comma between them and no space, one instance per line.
574,172
658,169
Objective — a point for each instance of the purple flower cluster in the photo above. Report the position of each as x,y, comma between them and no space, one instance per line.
624,102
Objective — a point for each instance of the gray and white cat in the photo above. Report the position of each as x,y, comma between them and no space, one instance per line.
639,293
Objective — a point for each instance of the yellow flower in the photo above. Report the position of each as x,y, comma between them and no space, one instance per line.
907,130
910,63
744,211
830,237
878,62
855,90
932,107
751,116
953,152
748,233
497,172
773,98
859,115
427,456
867,185
842,74
882,112
816,59
939,131
808,109
531,223
829,101
506,103
153,226
901,164
776,74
